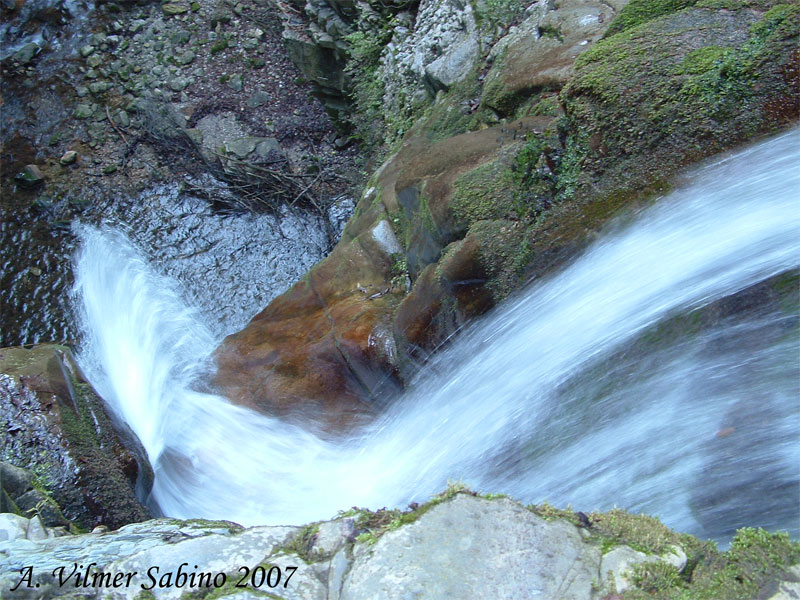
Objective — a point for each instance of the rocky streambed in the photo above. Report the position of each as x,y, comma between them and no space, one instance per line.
158,121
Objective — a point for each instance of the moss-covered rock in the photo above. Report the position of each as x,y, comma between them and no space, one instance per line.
540,54
672,90
56,426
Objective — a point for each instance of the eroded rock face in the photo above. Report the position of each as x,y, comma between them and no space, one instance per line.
506,552
541,52
55,424
440,50
338,340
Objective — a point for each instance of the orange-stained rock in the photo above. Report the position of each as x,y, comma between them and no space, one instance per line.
326,350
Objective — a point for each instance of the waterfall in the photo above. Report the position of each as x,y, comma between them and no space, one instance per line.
591,387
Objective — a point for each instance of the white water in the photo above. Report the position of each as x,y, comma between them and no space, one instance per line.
546,399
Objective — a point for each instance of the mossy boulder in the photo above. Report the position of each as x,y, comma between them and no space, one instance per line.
55,425
540,54
330,347
672,90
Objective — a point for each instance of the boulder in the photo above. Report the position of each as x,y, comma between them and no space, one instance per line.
327,349
87,465
677,87
458,545
540,53
505,552
30,176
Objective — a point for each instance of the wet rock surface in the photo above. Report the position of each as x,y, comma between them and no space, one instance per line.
104,115
87,468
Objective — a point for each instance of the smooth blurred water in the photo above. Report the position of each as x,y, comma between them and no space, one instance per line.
591,388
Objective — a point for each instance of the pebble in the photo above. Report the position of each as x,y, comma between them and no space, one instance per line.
69,157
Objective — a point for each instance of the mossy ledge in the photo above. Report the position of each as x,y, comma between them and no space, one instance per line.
753,567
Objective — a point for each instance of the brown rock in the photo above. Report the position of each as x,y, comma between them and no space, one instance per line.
327,350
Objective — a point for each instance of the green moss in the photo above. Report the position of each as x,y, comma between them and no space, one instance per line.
367,88
497,97
452,114
756,561
637,12
546,105
218,46
640,532
701,60
504,254
642,104
301,543
551,31
781,22
550,513
374,524
493,13
232,527
787,287
486,192
656,577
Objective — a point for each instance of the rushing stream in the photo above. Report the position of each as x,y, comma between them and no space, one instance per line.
577,391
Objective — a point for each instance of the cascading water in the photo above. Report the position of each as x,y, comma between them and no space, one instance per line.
577,391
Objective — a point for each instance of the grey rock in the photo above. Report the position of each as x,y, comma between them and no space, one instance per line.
94,61
25,54
86,50
185,58
69,157
520,556
213,553
99,87
36,502
789,590
332,536
217,129
175,8
265,146
178,84
339,566
14,480
241,147
31,175
339,212
96,39
36,530
236,83
438,52
258,99
195,135
455,65
12,527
